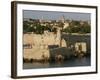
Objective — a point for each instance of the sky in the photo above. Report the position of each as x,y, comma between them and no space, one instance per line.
54,15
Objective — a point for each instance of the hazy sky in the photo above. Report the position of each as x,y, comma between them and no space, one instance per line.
53,15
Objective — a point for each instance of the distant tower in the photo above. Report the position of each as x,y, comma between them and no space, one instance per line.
41,20
63,19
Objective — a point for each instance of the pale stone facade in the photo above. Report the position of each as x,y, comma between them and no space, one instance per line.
39,44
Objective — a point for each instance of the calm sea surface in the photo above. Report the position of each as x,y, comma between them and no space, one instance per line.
74,62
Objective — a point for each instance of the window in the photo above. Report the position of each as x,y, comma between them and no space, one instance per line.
27,46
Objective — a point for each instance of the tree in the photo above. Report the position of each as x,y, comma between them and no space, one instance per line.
76,27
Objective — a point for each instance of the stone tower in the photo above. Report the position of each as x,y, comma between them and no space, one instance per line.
58,38
63,19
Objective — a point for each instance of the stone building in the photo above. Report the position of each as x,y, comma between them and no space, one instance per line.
36,46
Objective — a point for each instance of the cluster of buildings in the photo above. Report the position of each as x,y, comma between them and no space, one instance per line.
55,23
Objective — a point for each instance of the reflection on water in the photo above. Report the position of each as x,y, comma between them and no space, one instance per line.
85,61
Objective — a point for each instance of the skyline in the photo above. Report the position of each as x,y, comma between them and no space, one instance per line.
55,15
